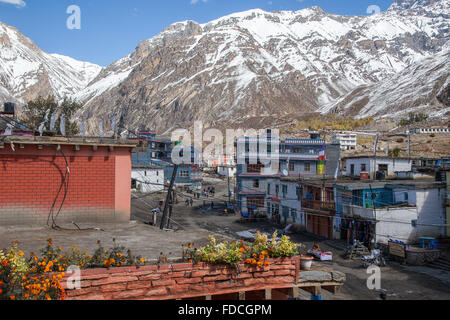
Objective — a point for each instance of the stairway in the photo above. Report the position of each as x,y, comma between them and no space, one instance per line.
442,263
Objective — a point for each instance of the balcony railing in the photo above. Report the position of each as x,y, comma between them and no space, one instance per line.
318,205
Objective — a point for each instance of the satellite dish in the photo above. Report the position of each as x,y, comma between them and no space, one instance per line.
285,173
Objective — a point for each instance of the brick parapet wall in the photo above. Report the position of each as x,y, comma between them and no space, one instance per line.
178,281
31,177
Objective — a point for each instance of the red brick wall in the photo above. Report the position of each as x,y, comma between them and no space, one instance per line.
181,281
30,179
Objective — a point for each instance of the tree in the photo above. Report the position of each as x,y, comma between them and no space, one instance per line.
34,113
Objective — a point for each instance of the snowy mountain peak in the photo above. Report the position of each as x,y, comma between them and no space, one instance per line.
27,72
412,4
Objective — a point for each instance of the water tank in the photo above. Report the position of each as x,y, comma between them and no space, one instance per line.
364,175
381,175
9,107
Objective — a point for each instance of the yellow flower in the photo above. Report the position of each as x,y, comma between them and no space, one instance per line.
20,253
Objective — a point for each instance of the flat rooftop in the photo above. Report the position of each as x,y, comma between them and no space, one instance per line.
80,141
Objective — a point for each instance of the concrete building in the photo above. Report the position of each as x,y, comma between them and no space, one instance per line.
399,210
64,179
147,178
347,140
260,186
435,130
159,152
371,164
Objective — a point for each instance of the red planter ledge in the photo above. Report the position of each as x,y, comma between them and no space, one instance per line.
182,281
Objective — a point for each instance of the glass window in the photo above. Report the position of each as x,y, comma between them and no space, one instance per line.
307,166
284,190
291,166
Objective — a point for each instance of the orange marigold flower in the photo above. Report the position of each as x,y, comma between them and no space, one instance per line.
248,261
253,261
267,263
261,257
12,297
260,263
241,249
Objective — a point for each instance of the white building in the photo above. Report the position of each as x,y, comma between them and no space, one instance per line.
371,164
147,178
418,210
347,140
435,130
283,198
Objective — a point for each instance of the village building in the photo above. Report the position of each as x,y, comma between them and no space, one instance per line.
377,167
432,130
63,180
159,153
376,211
347,140
272,188
147,178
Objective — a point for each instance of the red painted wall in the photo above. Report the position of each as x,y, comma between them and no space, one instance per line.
30,179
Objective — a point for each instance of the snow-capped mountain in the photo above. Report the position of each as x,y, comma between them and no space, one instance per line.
27,72
252,67
422,87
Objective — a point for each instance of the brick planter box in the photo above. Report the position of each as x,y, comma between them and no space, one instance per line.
183,281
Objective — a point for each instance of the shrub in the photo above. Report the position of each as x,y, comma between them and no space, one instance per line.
235,252
38,277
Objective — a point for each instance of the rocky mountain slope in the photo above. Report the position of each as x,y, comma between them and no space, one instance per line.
27,72
253,67
423,87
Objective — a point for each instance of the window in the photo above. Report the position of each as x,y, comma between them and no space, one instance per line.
255,202
284,190
298,192
307,167
184,174
291,166
363,167
277,189
268,188
255,168
256,183
382,167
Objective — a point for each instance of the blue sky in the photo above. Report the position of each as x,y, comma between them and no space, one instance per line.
111,29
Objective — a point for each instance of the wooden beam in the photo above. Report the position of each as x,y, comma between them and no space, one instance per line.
315,290
268,294
332,289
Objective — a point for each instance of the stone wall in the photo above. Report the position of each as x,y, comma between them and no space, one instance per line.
182,281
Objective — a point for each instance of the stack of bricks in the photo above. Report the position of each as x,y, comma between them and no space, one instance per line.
182,281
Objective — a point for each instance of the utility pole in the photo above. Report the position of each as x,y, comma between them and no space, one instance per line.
229,191
169,199
375,217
